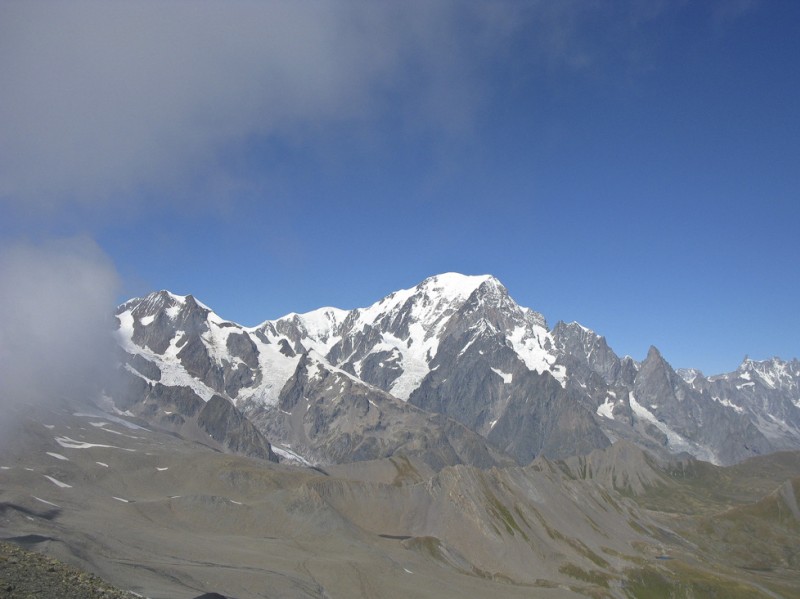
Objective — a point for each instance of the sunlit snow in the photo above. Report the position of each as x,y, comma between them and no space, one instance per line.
73,444
504,375
57,482
45,501
675,441
605,409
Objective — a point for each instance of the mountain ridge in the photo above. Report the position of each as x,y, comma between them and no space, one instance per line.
460,346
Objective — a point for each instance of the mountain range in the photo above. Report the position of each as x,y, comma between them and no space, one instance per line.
452,371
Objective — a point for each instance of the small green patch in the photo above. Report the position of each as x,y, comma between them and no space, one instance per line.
502,513
587,553
594,577
683,580
637,527
405,471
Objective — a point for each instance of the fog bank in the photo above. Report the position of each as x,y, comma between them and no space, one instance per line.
56,314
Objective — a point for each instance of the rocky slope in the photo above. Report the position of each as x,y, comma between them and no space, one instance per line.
29,574
164,517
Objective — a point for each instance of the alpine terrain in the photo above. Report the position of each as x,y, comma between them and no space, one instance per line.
442,442
452,370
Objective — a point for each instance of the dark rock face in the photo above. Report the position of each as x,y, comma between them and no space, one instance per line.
332,417
583,352
195,359
286,348
178,408
555,426
144,367
479,380
241,346
229,427
382,368
695,415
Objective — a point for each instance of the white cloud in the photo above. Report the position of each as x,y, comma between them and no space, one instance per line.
112,98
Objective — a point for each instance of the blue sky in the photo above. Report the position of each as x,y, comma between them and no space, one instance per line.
633,165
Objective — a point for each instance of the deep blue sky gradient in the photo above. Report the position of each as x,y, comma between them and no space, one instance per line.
639,172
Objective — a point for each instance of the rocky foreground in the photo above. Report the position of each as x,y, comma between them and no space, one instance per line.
25,574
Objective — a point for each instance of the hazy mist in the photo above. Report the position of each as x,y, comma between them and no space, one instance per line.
56,313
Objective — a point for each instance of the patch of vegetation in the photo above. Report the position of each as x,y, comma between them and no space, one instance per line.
630,558
521,516
502,513
587,553
637,527
551,532
431,546
595,526
683,580
610,500
594,577
405,471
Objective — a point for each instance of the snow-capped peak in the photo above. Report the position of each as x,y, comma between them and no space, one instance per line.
319,329
434,294
453,286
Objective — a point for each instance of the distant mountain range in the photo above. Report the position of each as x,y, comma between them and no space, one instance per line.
451,371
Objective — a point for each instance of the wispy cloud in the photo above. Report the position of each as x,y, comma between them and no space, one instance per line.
109,100
113,98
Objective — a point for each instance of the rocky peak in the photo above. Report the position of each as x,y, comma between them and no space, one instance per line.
578,347
653,355
657,381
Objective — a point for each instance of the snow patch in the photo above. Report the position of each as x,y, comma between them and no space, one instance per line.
45,501
290,455
528,343
112,418
73,444
675,441
503,375
58,456
605,409
727,403
57,482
